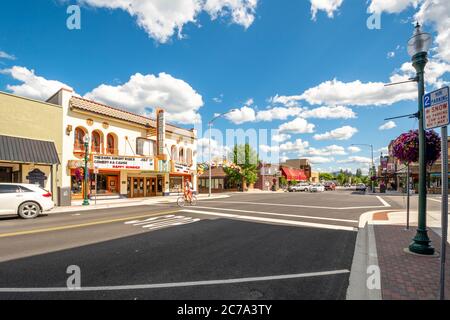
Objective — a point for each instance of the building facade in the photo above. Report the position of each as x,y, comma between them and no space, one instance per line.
268,177
302,164
31,145
130,156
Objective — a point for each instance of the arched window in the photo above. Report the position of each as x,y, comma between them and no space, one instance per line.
79,139
96,142
181,157
111,144
189,157
174,153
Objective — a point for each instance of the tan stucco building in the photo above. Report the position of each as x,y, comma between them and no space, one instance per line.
30,141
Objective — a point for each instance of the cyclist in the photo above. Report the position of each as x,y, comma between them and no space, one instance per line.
188,191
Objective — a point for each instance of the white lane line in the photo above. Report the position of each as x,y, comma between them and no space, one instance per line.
297,205
281,215
435,200
149,219
277,221
171,225
180,284
386,205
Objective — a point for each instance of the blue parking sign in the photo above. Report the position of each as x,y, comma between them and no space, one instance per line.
436,109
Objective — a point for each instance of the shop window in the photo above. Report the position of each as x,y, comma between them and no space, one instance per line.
176,184
145,147
79,139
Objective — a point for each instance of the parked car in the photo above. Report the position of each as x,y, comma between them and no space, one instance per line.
27,201
301,187
317,188
330,186
361,187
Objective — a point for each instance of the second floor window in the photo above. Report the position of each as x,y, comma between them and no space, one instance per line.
145,147
96,142
79,139
110,144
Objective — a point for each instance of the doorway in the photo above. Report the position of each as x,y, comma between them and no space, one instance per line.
151,187
138,188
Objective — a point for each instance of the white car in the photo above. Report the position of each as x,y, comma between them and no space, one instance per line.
27,201
302,187
317,188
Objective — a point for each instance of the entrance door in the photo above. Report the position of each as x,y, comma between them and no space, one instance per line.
138,187
151,187
113,184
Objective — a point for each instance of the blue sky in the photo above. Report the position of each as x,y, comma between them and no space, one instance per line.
198,58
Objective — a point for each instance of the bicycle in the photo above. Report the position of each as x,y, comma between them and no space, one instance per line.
183,200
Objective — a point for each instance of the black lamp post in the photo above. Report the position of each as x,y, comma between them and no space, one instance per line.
418,47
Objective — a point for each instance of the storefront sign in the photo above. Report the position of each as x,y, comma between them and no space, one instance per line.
161,130
181,168
124,163
436,109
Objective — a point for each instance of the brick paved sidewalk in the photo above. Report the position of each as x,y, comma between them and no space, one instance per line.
405,276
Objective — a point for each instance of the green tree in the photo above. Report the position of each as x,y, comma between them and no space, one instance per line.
247,161
359,173
326,176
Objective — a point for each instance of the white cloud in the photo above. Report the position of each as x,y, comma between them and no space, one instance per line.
161,19
32,85
269,149
354,149
388,126
344,133
4,55
299,146
391,6
243,115
357,93
288,101
297,126
356,160
320,160
279,138
278,113
384,150
332,150
217,150
329,6
142,92
336,112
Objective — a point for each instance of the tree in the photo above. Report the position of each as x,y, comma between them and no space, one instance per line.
246,169
326,177
359,173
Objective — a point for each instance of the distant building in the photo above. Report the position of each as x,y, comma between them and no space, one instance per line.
301,164
219,181
268,177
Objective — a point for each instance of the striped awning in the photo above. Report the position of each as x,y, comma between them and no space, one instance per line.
21,150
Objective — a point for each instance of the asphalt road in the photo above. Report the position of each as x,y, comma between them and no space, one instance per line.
253,246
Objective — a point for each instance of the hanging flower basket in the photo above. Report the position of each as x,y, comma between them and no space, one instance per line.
406,147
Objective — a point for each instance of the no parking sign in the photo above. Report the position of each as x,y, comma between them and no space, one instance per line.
436,109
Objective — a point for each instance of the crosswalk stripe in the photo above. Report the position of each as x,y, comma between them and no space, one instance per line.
277,221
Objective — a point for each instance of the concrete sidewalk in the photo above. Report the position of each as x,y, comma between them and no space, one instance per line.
123,203
381,243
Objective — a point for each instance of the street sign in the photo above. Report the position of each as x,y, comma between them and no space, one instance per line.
436,109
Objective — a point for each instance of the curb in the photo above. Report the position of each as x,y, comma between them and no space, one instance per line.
365,256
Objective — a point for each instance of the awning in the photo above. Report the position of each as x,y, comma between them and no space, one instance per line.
288,174
21,150
300,175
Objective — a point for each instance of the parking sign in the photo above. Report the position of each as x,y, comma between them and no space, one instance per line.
436,109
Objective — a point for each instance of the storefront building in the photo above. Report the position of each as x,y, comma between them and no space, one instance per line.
293,175
30,142
130,156
220,182
268,177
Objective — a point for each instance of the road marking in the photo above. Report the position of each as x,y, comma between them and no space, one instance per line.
277,221
435,200
281,214
179,284
162,222
88,224
387,205
300,206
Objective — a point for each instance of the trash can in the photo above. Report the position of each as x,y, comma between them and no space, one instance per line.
64,197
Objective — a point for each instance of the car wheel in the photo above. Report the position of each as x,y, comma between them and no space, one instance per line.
29,210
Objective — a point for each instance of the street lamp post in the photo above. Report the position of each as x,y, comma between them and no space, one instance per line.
86,169
418,47
373,162
210,125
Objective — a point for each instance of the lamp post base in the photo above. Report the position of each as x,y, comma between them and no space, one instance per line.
86,203
422,244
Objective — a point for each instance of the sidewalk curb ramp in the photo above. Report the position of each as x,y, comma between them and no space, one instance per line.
365,256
